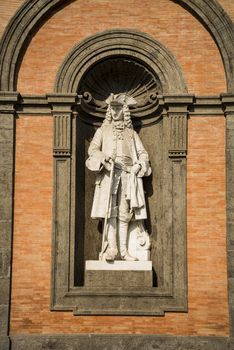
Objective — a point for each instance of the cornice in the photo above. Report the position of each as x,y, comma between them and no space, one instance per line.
44,104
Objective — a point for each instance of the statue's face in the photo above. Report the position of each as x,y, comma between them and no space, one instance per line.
117,112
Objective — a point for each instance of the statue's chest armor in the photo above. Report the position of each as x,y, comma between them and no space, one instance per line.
123,148
119,144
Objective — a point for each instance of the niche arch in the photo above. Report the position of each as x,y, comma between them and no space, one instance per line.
87,69
161,119
32,14
118,42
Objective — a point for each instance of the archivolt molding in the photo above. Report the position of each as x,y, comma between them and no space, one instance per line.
120,43
220,26
17,35
105,60
30,16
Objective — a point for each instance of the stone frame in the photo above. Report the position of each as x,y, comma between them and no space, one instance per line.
14,104
171,294
120,42
33,12
13,45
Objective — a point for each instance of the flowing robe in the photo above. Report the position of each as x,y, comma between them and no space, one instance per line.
104,144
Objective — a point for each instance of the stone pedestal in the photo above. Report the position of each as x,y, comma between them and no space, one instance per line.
123,274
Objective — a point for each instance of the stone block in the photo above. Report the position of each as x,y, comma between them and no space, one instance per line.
5,261
118,265
123,279
7,122
4,290
4,343
4,312
120,342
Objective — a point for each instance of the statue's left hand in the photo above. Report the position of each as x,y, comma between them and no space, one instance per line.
108,158
107,163
135,169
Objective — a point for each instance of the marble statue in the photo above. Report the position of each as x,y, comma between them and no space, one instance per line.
120,160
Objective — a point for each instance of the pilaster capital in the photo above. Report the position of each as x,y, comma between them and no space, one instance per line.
228,103
178,104
63,103
8,100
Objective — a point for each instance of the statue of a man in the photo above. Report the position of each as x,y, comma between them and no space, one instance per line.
118,156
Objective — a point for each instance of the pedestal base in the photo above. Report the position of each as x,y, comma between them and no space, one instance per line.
118,273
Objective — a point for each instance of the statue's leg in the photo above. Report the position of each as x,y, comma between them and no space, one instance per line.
123,235
112,249
124,216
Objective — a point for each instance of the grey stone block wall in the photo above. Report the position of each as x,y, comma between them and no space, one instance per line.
119,342
7,135
228,103
24,24
230,215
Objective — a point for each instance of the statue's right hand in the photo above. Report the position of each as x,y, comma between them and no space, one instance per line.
107,162
108,158
107,165
135,169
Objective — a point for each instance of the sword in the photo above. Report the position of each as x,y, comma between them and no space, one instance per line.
108,212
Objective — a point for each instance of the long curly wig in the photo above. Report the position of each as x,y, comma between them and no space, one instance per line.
126,115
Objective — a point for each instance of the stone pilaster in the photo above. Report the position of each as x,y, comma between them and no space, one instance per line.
177,112
7,146
175,173
228,106
62,112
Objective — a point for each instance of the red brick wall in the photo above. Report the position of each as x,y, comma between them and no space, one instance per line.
7,10
164,20
208,314
200,60
228,6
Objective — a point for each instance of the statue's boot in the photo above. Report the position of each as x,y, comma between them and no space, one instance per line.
112,250
123,232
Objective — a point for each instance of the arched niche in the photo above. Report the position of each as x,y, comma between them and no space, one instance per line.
13,45
31,15
112,62
121,60
120,43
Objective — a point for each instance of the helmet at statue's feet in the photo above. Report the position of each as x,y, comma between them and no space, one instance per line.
128,257
110,254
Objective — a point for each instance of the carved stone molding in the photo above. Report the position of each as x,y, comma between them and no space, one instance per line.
228,103
104,59
8,101
62,107
72,227
220,26
62,135
177,113
17,37
15,41
32,13
135,46
34,105
120,74
120,342
178,130
122,60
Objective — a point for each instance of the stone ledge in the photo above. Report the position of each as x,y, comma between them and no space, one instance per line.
4,343
118,265
120,279
119,341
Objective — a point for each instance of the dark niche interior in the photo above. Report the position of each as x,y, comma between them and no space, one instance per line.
88,232
119,75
